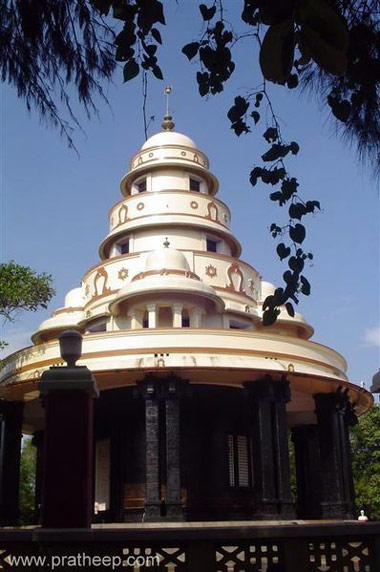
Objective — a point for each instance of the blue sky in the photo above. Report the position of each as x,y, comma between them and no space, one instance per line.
55,205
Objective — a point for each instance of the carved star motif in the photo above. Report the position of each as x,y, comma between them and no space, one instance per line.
211,271
123,273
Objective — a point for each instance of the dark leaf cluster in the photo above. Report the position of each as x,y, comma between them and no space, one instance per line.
214,54
46,45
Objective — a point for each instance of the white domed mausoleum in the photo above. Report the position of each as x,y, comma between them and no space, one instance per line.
197,398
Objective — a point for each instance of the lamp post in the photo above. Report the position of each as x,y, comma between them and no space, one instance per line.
67,393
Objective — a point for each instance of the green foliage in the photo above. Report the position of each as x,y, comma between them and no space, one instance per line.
365,444
21,288
27,481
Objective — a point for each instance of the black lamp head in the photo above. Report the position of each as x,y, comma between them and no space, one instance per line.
70,343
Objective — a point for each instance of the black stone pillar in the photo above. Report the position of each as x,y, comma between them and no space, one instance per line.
38,441
335,415
174,392
267,400
162,424
152,440
11,416
305,439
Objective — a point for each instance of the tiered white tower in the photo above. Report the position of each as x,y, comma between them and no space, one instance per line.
172,294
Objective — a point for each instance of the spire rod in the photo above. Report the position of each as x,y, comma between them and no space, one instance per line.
168,90
168,123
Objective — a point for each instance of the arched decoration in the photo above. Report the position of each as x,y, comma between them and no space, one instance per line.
196,158
101,277
122,215
212,211
235,277
140,160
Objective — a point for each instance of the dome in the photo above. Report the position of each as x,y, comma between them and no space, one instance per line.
168,258
168,138
172,285
267,289
74,298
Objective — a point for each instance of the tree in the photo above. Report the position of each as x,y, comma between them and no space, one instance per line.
365,443
329,47
27,481
21,288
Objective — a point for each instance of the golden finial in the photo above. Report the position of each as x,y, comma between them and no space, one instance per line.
168,123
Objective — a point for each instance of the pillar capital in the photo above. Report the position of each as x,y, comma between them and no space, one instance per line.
337,402
269,389
171,387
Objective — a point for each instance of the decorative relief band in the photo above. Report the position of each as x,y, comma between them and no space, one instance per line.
236,278
165,271
101,277
212,211
122,214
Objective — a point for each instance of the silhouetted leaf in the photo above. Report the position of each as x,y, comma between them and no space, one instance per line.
156,70
294,147
296,263
277,51
341,109
277,151
255,174
289,309
297,233
297,210
156,35
191,50
207,13
270,316
283,251
292,81
271,134
305,288
255,116
289,187
131,70
329,58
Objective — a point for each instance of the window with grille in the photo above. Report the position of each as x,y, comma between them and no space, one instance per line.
240,461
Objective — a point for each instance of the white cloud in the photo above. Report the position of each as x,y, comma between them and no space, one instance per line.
372,337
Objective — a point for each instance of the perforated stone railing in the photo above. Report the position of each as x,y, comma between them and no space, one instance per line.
219,547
